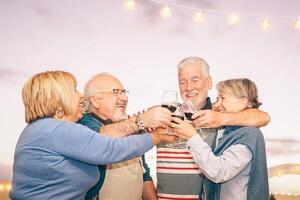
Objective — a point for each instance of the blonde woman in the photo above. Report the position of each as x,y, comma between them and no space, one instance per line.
56,158
236,168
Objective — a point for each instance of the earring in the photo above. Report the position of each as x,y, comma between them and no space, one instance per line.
60,114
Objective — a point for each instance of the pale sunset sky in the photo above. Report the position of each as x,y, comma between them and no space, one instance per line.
142,50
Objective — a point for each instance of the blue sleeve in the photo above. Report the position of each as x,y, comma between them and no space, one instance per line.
146,170
81,143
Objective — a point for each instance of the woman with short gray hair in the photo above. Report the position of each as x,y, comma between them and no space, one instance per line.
236,168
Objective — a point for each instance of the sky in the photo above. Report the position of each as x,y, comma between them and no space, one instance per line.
142,50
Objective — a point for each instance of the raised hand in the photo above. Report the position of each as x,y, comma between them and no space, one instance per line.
183,129
208,119
158,136
157,117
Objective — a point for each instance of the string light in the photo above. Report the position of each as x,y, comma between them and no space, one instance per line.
265,24
8,187
297,24
233,20
198,17
283,193
5,187
281,170
130,5
166,12
279,174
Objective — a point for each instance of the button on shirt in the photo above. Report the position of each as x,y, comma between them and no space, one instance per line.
232,167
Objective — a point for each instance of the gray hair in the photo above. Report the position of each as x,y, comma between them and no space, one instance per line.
241,88
89,90
194,60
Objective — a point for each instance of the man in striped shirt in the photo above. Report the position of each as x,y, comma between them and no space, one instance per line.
178,176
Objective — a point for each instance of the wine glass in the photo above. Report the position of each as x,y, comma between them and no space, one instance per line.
189,109
169,100
179,113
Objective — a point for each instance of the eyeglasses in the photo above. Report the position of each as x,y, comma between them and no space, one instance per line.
114,91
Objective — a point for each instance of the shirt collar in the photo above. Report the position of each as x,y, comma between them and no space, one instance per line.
103,121
228,129
208,104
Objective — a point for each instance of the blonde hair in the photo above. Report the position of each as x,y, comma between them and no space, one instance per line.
47,92
241,88
194,60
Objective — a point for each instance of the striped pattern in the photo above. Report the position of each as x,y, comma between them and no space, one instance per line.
176,197
175,161
178,176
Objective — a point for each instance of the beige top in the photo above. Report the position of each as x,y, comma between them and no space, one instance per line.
123,181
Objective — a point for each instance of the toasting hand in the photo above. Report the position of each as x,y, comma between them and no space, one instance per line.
162,135
183,129
157,117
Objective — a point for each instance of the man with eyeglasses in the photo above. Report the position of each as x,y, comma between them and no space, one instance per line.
105,102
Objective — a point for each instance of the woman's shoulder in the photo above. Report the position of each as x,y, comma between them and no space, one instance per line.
50,124
72,126
242,129
251,132
250,129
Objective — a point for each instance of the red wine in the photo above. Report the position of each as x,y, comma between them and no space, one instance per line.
188,115
178,116
170,107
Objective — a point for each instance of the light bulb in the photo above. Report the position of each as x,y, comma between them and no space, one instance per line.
265,24
279,174
166,12
130,5
198,17
8,187
233,20
297,24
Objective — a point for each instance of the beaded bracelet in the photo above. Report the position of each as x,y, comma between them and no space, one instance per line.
140,123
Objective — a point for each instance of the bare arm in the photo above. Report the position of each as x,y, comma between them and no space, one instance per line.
149,191
153,118
120,129
213,119
248,117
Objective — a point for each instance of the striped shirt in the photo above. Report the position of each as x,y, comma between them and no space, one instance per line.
178,176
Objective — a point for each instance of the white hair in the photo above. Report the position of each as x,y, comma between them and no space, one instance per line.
89,89
194,60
